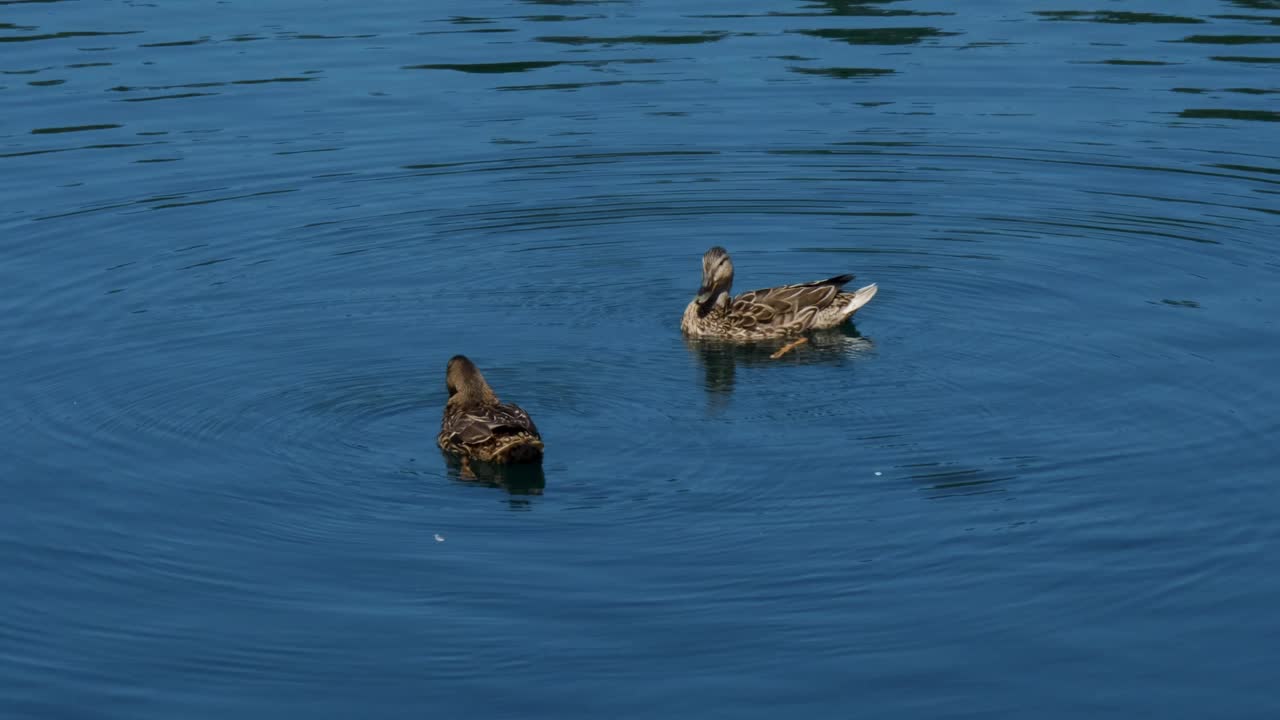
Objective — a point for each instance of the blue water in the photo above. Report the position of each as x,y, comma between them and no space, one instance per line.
240,240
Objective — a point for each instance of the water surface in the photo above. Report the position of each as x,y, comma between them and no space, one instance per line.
241,240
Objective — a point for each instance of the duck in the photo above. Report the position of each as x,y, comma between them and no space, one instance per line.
768,314
478,426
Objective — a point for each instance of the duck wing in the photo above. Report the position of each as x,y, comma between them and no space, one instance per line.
785,308
477,426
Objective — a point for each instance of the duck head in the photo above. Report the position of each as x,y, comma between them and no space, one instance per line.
465,383
717,279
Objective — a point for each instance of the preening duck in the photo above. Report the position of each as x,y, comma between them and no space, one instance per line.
478,426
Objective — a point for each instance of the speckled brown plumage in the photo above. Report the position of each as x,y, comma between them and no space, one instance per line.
478,426
776,312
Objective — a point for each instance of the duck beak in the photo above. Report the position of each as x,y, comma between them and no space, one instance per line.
705,300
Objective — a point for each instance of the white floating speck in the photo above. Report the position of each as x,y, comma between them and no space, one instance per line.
878,474
439,537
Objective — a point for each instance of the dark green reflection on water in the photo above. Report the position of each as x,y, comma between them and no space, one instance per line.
844,73
556,18
1256,4
1225,114
62,36
1245,59
634,39
516,67
864,8
1121,61
571,2
878,36
1242,91
500,67
1112,16
1248,168
577,85
189,86
176,43
73,128
176,96
1232,39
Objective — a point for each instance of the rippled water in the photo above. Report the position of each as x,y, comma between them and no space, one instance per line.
241,240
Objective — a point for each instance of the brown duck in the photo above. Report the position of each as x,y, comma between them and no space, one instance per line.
776,312
478,426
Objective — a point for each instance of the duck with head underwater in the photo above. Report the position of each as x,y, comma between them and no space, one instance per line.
767,314
478,426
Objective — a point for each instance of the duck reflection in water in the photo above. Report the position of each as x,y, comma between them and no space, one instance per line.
516,479
720,359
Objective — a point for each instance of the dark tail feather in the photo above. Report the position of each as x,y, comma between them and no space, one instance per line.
838,281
